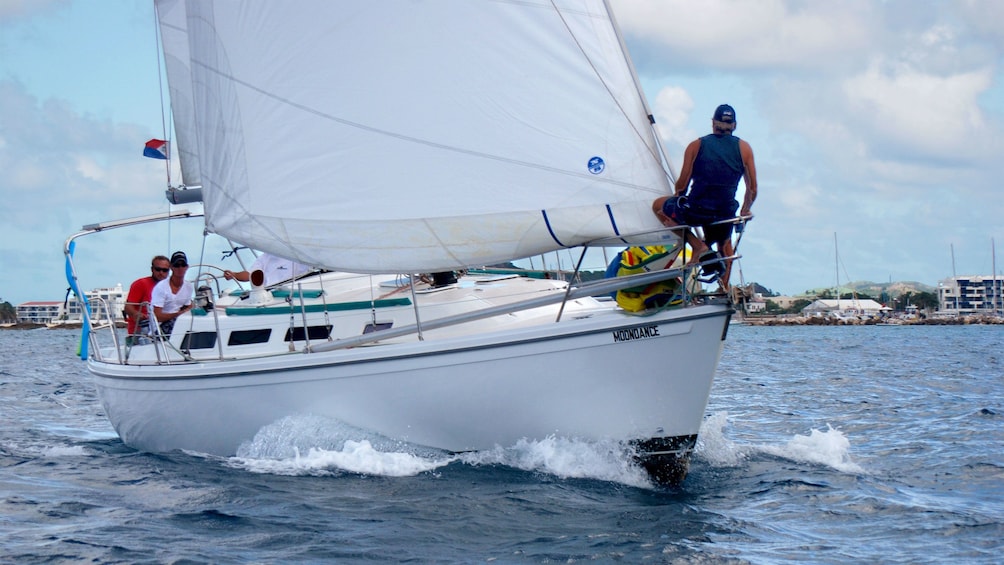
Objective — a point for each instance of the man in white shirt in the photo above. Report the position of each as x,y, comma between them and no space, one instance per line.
172,296
276,270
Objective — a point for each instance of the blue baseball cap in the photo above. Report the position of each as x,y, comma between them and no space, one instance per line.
725,113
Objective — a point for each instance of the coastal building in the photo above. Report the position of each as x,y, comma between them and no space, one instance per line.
757,305
845,307
112,301
39,312
969,295
111,298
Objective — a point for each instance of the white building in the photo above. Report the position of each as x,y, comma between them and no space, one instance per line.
971,295
49,312
757,305
113,298
39,312
845,307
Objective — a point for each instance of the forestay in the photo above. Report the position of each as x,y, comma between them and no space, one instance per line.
403,136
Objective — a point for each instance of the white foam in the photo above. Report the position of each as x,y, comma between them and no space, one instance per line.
568,458
830,448
315,446
714,447
65,451
77,433
354,457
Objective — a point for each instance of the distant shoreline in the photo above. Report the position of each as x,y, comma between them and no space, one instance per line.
825,321
62,326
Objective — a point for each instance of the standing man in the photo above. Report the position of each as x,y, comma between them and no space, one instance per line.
140,291
172,297
714,163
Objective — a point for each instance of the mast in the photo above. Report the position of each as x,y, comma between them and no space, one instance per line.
836,269
952,247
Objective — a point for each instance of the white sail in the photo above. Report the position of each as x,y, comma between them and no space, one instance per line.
174,37
403,136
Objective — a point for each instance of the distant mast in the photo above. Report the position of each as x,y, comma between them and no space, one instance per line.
993,266
952,247
836,269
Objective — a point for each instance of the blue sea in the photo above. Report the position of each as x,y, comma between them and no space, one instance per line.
828,444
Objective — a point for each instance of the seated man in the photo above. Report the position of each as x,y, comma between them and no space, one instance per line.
172,297
138,299
714,163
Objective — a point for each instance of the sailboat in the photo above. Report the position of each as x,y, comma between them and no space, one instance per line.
385,144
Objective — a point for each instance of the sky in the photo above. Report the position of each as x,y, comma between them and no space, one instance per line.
877,128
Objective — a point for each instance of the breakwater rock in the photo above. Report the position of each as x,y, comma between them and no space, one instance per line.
832,321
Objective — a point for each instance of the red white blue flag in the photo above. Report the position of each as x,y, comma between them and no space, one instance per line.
156,149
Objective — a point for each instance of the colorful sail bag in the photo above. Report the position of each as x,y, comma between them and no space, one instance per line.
635,260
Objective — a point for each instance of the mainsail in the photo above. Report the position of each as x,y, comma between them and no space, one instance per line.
403,136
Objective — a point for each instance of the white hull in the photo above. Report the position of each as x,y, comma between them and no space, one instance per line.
606,376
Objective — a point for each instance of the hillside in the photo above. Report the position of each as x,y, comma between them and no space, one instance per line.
875,290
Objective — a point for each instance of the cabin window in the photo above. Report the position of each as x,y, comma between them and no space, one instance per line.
377,327
313,332
248,337
199,340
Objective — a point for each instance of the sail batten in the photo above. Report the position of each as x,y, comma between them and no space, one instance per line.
395,136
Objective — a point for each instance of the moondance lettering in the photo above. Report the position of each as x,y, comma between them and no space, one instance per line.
636,333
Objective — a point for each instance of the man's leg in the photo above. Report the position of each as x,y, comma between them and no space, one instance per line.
727,251
697,246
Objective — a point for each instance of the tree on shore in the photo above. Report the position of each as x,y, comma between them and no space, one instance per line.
8,314
795,308
922,300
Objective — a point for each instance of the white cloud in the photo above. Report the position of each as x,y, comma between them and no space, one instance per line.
12,9
984,17
672,108
737,34
63,170
932,114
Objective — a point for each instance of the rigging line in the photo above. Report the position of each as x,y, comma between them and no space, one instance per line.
412,139
627,60
641,94
158,41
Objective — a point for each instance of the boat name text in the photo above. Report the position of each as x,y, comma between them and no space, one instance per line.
636,333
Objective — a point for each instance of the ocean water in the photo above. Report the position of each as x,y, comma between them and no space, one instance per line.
857,444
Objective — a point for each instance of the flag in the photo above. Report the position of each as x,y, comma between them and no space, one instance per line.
156,149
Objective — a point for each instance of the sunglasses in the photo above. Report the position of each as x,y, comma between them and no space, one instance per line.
179,264
160,269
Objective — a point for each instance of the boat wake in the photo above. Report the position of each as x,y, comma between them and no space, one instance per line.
830,448
313,445
568,459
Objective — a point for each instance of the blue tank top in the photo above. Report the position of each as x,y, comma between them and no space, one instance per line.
717,170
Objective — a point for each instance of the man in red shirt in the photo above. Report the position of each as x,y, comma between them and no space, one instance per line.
136,307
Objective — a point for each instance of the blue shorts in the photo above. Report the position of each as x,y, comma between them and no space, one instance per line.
679,210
